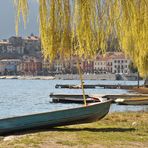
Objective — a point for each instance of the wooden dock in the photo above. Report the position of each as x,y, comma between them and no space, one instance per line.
88,86
111,96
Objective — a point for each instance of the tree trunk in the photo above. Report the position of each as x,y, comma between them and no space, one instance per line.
146,82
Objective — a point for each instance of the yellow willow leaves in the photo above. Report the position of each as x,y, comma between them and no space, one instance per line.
55,28
90,26
22,8
132,32
82,27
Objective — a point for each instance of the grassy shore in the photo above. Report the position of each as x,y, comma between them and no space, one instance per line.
117,130
142,90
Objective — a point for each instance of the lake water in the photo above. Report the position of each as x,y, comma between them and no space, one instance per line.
20,97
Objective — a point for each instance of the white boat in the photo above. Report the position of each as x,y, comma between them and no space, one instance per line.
132,101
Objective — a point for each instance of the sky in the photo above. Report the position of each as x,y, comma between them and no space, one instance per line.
7,20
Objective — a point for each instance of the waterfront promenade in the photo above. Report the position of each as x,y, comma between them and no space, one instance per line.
65,77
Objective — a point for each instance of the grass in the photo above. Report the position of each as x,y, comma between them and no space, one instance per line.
119,130
142,90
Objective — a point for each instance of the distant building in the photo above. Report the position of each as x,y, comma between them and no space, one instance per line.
88,66
32,45
28,50
114,62
120,64
58,66
100,64
16,41
9,66
30,66
7,47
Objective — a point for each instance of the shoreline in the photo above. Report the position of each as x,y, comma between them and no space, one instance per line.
28,77
65,77
141,90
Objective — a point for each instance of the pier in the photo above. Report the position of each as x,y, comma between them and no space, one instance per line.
87,86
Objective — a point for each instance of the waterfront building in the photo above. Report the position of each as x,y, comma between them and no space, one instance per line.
100,64
120,63
88,66
112,62
30,66
9,66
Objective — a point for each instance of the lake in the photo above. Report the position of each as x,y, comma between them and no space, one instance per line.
21,97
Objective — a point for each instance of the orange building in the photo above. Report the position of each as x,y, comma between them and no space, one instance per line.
30,66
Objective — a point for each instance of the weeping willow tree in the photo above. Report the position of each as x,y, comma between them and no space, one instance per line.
22,8
82,27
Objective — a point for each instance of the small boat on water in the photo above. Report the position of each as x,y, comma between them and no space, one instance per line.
78,98
73,100
84,114
132,101
92,86
74,86
68,98
74,96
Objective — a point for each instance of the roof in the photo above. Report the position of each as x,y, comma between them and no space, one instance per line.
35,38
111,55
4,42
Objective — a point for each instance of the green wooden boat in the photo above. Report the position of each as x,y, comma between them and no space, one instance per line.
85,114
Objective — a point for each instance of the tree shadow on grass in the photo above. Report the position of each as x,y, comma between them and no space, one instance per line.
68,129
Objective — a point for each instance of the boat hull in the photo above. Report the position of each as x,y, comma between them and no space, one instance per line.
90,113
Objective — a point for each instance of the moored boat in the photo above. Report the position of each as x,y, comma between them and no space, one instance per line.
84,114
132,101
73,100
